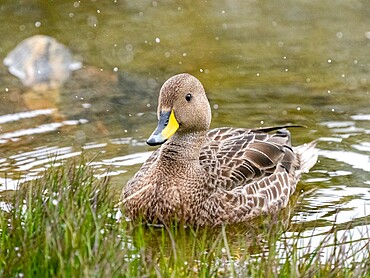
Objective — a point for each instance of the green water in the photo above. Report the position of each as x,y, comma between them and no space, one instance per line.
262,63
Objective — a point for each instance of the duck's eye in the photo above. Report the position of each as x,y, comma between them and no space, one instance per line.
188,97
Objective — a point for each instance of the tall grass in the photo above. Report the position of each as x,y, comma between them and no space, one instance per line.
61,225
64,225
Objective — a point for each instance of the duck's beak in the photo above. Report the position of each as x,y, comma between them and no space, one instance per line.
167,126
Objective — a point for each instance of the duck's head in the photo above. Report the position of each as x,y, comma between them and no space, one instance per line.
182,107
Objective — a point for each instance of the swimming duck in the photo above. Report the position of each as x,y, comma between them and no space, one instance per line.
211,177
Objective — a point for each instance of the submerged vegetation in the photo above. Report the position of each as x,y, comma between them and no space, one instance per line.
66,225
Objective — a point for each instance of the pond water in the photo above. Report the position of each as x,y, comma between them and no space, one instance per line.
263,63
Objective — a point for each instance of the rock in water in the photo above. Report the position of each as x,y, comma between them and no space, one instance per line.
41,60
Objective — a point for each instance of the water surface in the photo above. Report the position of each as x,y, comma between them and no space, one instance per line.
262,64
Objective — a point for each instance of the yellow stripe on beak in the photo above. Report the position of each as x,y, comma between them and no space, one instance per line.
167,126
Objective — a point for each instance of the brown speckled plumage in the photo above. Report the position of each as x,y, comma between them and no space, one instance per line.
210,177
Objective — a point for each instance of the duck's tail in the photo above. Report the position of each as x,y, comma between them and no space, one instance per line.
308,155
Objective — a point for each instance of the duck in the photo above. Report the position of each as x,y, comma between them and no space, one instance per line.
211,177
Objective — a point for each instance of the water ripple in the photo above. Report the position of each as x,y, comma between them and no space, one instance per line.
356,160
25,115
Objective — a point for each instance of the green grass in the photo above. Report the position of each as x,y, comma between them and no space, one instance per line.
64,225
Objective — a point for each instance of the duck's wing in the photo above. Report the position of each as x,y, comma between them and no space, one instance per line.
238,157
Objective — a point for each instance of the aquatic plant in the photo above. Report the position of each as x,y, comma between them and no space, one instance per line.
66,225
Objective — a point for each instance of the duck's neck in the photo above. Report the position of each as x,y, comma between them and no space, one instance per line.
183,148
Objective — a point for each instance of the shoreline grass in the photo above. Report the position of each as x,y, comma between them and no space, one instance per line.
64,225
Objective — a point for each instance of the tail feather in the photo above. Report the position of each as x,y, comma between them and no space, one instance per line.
308,155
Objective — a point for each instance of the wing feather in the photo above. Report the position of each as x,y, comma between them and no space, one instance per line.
237,157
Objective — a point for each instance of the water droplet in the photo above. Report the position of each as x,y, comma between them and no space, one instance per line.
157,40
329,61
86,105
37,24
92,21
129,47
